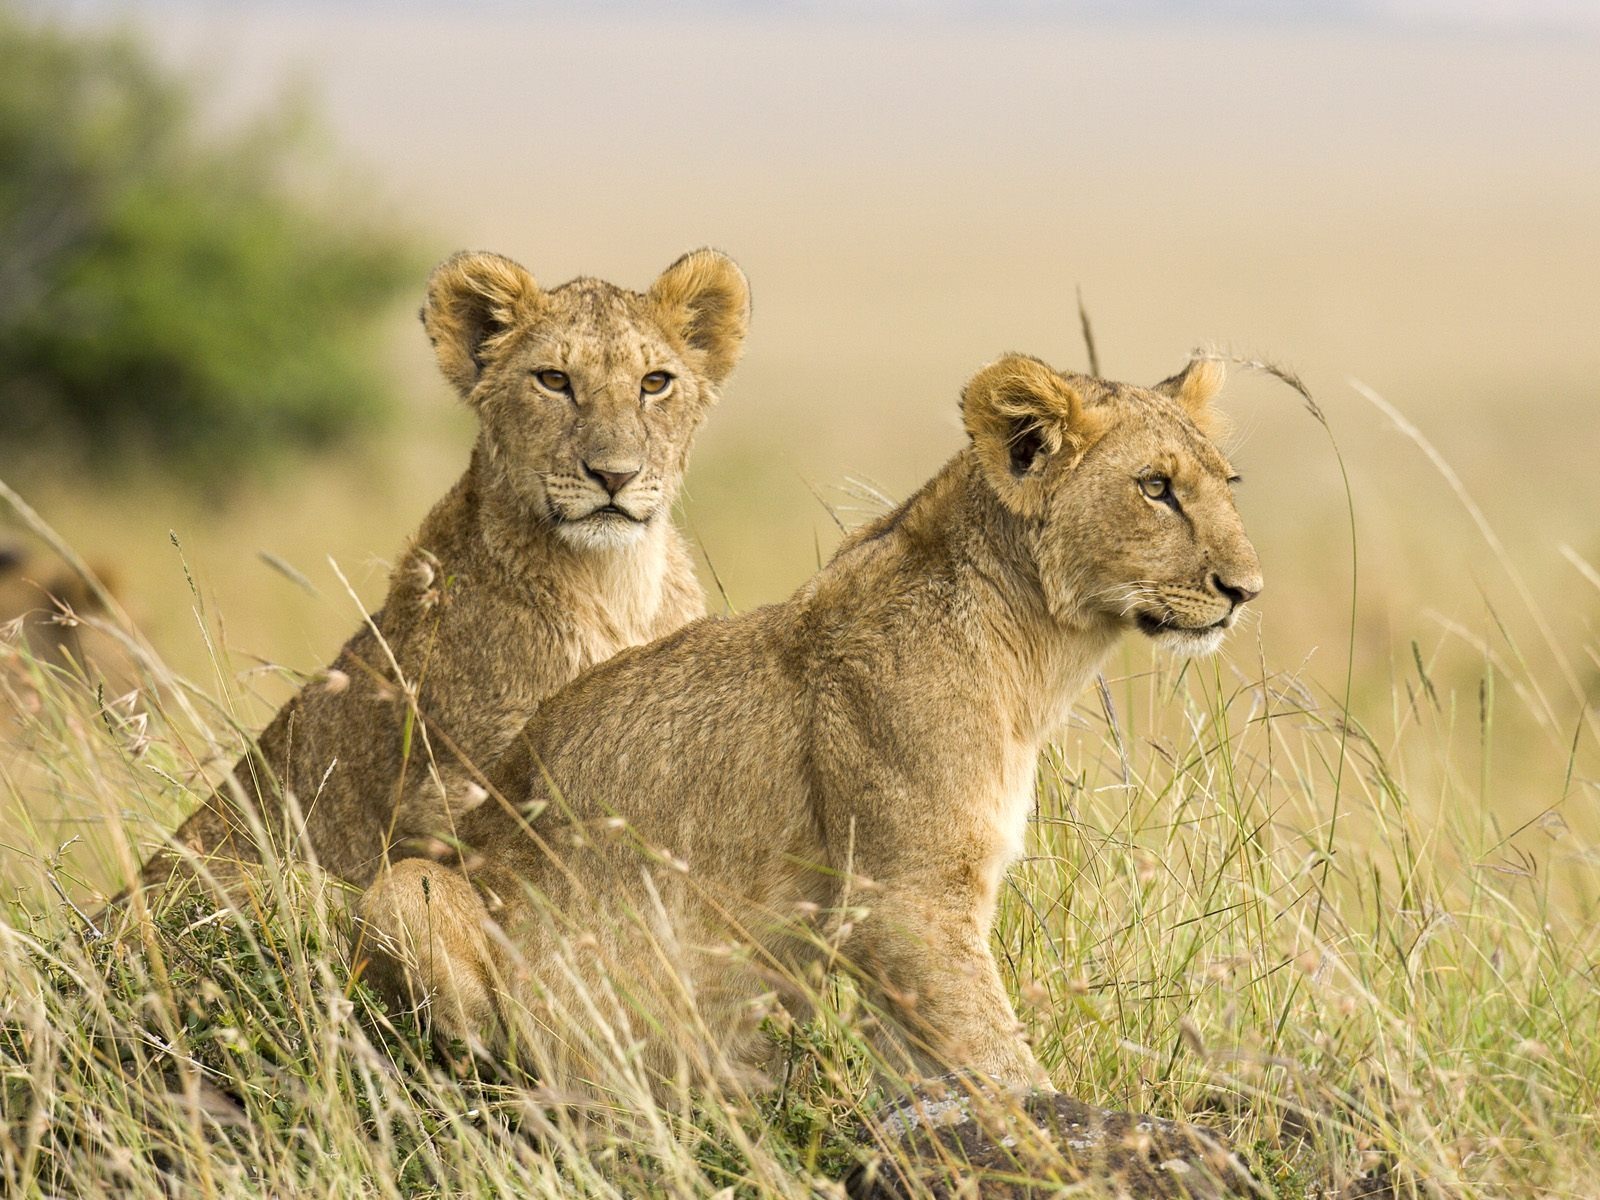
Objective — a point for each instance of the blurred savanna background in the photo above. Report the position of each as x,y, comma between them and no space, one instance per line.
216,220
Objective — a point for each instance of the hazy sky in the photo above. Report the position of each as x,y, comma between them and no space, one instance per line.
1488,15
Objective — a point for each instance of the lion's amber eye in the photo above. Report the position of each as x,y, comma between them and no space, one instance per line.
1157,487
655,383
555,381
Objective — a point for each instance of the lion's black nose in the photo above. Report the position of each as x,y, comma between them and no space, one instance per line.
1240,591
612,481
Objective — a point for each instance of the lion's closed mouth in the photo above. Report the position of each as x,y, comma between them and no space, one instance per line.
1154,623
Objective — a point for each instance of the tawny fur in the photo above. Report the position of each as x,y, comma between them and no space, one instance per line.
42,601
526,573
670,821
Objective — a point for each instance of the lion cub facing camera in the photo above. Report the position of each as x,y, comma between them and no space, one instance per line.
869,744
554,551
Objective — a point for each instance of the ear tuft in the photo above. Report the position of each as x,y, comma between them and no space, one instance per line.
704,299
474,299
1195,387
1021,415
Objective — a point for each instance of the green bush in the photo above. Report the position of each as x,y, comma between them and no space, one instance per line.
165,293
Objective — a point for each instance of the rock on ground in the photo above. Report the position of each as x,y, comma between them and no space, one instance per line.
951,1141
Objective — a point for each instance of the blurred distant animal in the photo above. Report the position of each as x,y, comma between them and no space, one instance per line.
863,753
553,551
47,599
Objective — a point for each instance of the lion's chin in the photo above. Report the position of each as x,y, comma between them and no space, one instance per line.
603,530
1180,641
1190,643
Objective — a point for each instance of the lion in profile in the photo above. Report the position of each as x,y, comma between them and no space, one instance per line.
552,552
841,778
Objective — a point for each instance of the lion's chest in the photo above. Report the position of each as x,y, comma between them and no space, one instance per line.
1013,806
999,820
605,624
612,613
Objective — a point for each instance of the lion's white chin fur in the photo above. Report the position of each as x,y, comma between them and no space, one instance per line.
601,533
1191,643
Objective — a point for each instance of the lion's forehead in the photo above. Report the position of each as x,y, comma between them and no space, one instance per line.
602,329
1193,456
1162,432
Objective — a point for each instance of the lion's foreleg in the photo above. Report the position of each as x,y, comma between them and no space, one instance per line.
929,965
425,932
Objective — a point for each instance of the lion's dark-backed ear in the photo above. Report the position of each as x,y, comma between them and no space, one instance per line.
474,299
1021,416
704,298
1194,388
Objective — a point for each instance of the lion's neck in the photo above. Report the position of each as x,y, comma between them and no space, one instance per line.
972,560
1042,663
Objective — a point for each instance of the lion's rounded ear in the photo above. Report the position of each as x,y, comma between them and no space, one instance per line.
1194,388
704,298
474,299
1021,416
